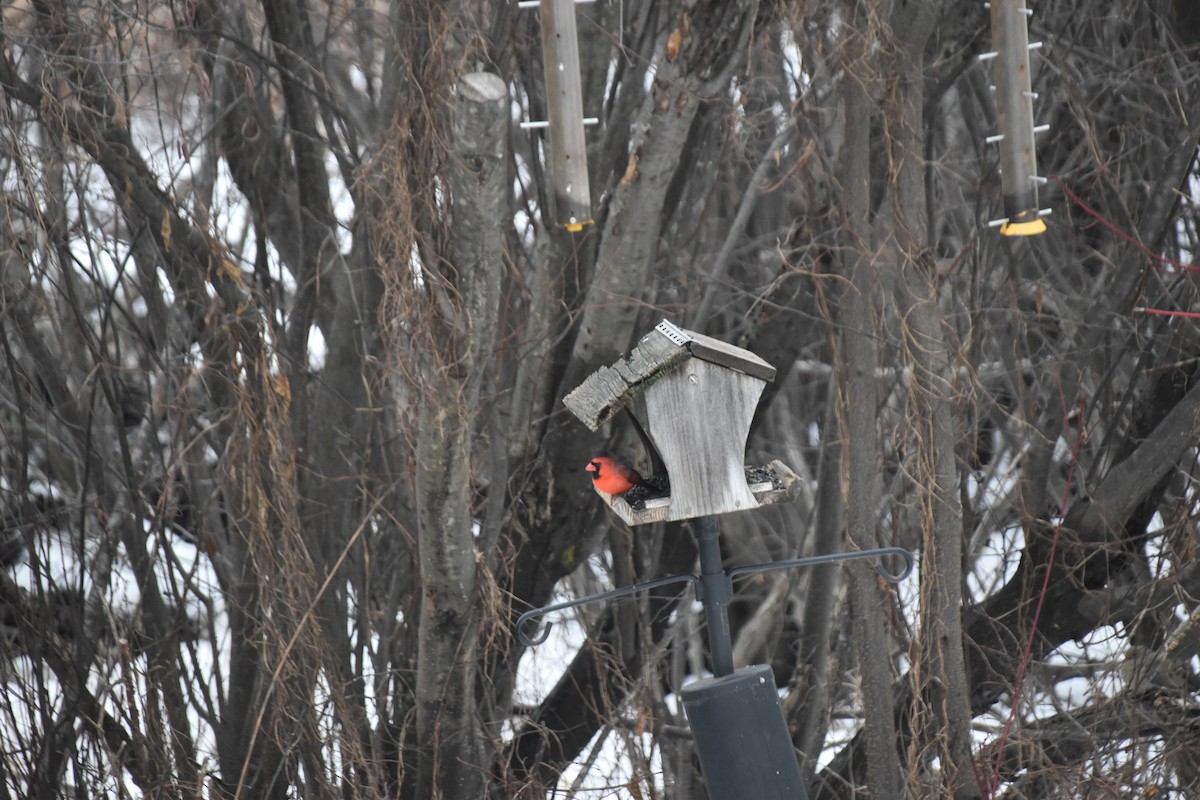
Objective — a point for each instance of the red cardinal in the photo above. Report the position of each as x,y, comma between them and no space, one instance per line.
612,477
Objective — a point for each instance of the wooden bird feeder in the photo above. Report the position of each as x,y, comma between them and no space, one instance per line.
694,397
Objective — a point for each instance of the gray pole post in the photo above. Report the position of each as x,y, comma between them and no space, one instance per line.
1014,107
564,104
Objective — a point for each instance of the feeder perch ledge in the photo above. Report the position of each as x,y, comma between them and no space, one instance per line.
695,397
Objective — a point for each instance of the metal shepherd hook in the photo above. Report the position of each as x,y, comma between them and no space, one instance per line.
712,586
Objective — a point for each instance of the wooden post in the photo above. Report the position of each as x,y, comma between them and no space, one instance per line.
564,101
1014,106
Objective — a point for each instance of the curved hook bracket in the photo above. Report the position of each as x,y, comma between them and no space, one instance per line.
811,561
833,558
624,591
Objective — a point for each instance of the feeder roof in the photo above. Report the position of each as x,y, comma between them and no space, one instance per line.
665,349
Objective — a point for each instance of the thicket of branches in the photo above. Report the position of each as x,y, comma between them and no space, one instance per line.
286,326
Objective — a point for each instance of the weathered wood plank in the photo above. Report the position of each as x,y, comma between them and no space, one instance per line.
609,389
728,355
699,419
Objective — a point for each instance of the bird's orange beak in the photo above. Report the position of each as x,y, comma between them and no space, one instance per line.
591,467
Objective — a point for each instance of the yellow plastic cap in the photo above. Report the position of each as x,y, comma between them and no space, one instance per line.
1031,228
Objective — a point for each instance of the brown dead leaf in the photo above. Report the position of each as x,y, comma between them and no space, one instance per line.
674,43
164,229
631,170
282,388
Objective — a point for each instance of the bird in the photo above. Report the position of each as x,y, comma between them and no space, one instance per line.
611,476
614,478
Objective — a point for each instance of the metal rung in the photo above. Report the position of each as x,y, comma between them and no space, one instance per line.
1039,179
996,223
1041,128
1027,12
1035,45
987,56
999,137
536,3
543,123
1031,95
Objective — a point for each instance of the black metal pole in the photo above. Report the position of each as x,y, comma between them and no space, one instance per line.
715,589
737,723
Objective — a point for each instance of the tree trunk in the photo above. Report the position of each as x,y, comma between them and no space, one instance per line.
860,360
448,735
941,671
